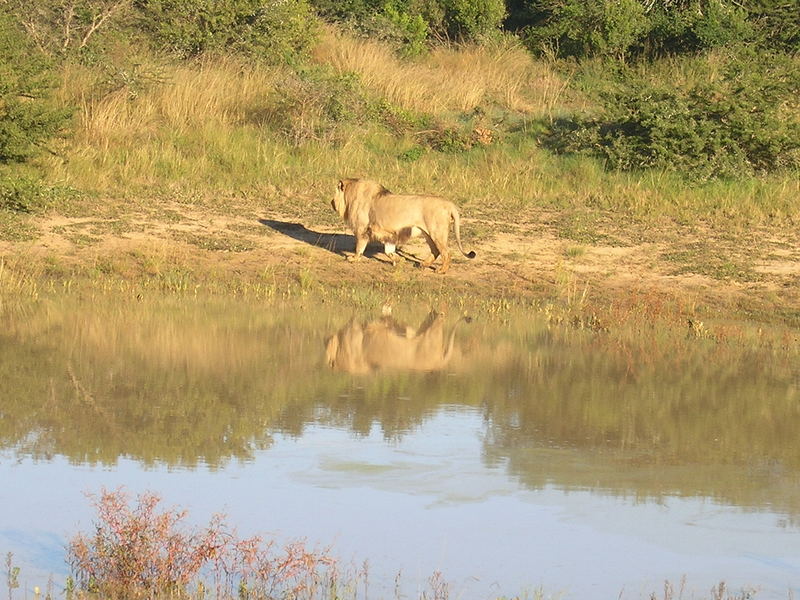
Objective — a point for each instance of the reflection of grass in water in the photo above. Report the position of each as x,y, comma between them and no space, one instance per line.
182,380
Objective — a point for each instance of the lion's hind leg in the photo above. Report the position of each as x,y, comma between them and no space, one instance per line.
434,251
438,246
445,262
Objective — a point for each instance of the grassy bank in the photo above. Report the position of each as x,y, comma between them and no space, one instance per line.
193,173
466,121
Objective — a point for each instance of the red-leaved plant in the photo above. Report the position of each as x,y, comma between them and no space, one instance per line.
141,551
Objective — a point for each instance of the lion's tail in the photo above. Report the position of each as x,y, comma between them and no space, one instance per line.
457,225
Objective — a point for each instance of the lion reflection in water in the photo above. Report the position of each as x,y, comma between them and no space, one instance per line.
385,344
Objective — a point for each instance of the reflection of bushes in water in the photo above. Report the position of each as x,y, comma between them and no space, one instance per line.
153,381
186,382
685,416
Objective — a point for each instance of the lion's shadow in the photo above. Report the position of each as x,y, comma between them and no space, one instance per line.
334,242
338,243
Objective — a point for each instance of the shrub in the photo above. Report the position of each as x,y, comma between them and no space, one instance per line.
466,20
311,103
697,25
618,28
22,195
589,28
141,551
394,22
744,121
271,30
406,21
28,117
779,21
63,27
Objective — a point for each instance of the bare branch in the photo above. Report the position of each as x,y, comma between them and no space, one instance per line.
99,19
69,15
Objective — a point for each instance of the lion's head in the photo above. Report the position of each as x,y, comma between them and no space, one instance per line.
339,203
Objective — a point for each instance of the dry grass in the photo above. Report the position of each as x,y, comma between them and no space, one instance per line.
450,78
223,91
203,129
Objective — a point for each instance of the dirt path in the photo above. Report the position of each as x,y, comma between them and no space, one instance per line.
754,271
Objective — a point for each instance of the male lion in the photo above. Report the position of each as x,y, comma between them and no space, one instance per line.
374,213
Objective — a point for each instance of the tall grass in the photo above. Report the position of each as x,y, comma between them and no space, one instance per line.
458,78
223,127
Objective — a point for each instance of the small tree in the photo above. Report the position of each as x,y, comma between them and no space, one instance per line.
58,27
272,30
28,117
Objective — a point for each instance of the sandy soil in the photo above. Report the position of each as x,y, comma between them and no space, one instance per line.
693,267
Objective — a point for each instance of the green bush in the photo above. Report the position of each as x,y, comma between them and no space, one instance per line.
697,25
392,21
617,28
742,122
410,31
459,20
23,194
271,30
472,19
583,28
28,117
778,21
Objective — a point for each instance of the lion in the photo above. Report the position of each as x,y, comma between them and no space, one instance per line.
375,213
387,345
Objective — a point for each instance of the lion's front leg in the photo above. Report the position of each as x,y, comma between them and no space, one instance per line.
390,250
361,245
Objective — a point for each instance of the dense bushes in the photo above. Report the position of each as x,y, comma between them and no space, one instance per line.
617,28
741,120
413,22
273,30
28,118
779,22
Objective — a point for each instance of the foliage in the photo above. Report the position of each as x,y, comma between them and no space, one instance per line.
28,117
409,30
744,121
141,550
411,22
22,194
586,28
61,27
697,25
617,28
312,102
779,21
271,30
472,19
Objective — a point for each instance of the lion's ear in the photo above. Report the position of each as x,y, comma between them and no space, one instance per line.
341,185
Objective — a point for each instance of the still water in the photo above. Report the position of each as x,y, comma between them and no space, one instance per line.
508,454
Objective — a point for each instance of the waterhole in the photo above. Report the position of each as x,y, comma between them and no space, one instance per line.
505,452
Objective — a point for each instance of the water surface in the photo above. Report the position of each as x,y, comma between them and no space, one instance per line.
504,452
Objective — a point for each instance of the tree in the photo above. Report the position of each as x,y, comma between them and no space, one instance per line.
272,30
60,26
28,117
